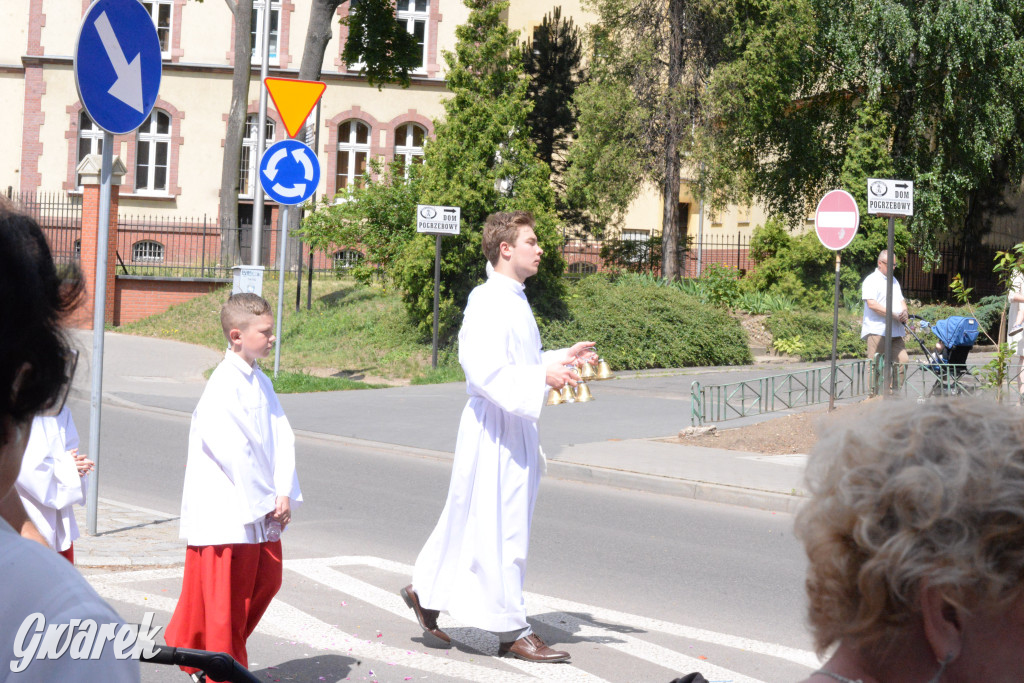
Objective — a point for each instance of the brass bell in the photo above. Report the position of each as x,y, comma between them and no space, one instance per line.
603,370
554,398
587,371
567,395
583,394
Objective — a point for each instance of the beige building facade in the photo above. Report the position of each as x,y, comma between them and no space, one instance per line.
174,160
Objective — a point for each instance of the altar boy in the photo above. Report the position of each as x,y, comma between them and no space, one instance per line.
240,484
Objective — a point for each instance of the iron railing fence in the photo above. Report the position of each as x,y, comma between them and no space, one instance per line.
806,387
587,255
60,216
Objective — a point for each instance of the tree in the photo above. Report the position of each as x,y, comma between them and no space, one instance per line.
650,61
482,160
551,62
946,75
386,49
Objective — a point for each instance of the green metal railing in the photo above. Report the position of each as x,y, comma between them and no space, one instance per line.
721,402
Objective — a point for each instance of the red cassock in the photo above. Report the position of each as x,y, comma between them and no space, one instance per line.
224,593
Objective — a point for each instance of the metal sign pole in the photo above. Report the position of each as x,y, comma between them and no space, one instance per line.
282,221
261,144
835,336
437,296
98,320
887,360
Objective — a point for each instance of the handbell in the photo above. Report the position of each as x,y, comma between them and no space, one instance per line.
567,395
587,371
583,394
603,369
554,398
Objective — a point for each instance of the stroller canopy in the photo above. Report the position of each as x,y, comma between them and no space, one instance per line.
956,330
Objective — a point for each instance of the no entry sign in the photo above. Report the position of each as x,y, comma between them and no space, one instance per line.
836,219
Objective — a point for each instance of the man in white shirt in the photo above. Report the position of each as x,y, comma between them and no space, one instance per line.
872,328
473,564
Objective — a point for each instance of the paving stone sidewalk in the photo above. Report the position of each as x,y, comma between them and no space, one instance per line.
128,536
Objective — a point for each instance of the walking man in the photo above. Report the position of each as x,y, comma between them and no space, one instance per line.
474,562
872,328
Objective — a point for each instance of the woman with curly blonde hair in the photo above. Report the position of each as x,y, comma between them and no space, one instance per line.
915,537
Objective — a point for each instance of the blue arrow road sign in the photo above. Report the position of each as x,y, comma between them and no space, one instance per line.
118,64
289,172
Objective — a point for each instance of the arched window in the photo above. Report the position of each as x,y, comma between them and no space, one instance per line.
346,258
408,146
90,141
353,153
147,250
152,153
582,268
247,169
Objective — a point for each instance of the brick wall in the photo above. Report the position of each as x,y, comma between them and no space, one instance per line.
138,297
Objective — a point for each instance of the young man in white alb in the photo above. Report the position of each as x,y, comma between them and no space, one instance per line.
474,562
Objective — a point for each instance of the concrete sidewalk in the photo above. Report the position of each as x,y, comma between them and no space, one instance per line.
616,440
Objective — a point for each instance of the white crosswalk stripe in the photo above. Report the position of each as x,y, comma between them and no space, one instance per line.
619,631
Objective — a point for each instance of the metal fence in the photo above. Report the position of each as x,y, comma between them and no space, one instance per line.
810,386
584,256
60,217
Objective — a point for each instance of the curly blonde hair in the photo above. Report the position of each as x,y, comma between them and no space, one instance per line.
905,494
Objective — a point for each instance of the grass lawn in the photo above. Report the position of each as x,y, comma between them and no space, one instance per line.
354,336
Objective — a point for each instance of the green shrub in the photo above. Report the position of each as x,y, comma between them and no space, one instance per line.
638,325
812,332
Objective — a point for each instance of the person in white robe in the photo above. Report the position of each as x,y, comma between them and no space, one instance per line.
52,480
474,562
240,488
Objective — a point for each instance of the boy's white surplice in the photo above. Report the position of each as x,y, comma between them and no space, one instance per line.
241,457
48,483
473,564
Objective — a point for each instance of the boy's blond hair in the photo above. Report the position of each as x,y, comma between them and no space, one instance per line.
239,310
503,226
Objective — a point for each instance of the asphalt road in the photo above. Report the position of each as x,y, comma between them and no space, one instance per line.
657,583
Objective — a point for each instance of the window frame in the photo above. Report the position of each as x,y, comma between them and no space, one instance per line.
408,152
157,255
352,147
154,140
247,190
153,7
95,137
411,17
256,32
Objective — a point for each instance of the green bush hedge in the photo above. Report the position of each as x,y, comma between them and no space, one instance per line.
808,334
638,324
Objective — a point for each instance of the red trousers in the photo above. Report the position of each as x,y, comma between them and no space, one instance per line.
224,592
68,554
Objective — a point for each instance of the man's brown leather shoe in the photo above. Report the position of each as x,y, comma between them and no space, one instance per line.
532,649
426,617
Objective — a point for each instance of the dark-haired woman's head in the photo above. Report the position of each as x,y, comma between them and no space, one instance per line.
33,350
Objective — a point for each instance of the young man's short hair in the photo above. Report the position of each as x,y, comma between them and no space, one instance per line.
239,310
503,226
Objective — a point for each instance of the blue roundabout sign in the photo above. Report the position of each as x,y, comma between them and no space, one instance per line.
289,172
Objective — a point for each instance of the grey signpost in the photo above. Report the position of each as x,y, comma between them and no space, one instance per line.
118,67
439,221
889,199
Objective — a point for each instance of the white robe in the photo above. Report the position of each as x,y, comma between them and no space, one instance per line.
241,457
48,482
473,564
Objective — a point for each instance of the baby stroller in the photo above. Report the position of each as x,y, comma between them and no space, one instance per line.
216,666
948,360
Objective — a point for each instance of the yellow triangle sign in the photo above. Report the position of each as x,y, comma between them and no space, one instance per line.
294,100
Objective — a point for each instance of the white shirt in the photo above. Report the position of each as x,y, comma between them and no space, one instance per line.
873,289
241,457
48,483
1017,287
34,579
474,562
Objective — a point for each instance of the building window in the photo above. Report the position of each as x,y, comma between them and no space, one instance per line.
415,15
160,10
258,12
90,141
353,153
582,268
247,169
346,258
152,153
408,146
147,250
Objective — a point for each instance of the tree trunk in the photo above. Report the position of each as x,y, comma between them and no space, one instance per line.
673,135
229,175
